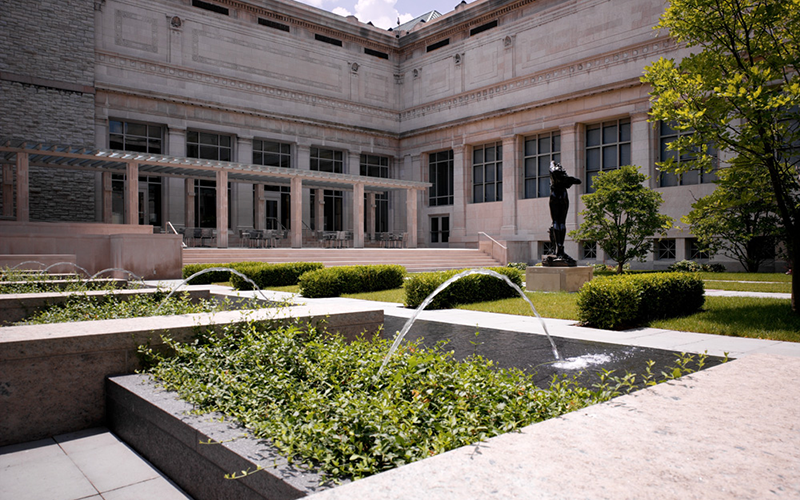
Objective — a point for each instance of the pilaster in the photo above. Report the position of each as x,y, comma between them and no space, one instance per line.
358,215
222,209
458,225
511,175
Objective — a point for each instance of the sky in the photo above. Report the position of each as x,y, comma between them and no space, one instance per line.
383,13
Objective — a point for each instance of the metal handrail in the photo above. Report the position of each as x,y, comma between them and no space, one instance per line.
502,254
169,225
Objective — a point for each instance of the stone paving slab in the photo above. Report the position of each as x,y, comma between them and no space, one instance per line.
87,465
727,432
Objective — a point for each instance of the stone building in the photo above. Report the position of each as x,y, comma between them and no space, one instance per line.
439,129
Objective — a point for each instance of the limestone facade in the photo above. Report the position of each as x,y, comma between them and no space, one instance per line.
466,102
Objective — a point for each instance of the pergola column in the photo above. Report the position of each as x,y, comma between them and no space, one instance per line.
188,185
8,191
108,198
261,208
296,197
132,193
319,210
358,215
222,209
23,192
370,215
411,217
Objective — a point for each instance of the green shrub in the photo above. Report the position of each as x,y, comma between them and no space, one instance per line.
334,281
522,266
266,275
472,288
212,276
690,266
617,302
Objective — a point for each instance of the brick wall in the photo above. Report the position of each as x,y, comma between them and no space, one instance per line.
47,68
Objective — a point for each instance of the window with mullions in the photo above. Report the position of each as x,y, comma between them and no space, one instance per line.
589,250
608,146
540,150
139,137
440,170
327,160
665,250
665,179
272,154
209,146
694,251
487,173
377,166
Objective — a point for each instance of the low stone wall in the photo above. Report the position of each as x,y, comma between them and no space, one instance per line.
52,376
197,451
98,246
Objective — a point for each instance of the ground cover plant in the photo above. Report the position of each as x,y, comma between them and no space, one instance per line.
15,282
82,307
317,399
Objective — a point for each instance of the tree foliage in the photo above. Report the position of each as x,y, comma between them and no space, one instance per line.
738,218
622,215
739,88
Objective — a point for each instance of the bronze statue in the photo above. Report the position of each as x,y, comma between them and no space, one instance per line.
560,181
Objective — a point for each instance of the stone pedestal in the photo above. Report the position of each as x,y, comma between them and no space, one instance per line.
557,279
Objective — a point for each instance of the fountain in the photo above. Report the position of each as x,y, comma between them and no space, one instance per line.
447,283
74,265
130,274
208,270
29,262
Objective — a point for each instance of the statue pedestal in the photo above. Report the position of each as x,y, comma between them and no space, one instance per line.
557,279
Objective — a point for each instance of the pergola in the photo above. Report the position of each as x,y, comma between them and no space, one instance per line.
22,154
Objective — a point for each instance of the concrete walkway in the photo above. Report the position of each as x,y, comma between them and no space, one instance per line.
91,465
701,437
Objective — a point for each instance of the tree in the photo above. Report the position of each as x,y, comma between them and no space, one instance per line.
740,90
622,215
738,218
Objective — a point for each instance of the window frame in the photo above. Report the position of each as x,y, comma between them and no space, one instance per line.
482,188
690,177
441,168
535,181
205,147
666,249
604,146
124,134
283,155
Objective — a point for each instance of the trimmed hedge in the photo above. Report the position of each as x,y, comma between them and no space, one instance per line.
618,302
334,281
472,288
266,275
213,276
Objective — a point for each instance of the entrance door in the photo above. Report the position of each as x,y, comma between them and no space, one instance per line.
273,210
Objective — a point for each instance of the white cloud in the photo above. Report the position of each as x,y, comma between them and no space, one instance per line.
341,11
313,3
380,12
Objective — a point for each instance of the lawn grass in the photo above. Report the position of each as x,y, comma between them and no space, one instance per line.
779,277
750,317
748,287
561,305
740,317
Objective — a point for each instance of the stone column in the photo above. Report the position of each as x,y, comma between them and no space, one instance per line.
189,202
358,215
176,142
132,193
296,194
571,160
642,153
261,209
458,225
411,217
319,210
222,209
108,192
370,208
302,161
510,185
244,149
8,191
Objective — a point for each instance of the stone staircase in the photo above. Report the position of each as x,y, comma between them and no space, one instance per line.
413,259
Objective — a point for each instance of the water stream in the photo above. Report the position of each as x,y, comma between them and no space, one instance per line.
429,299
208,270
